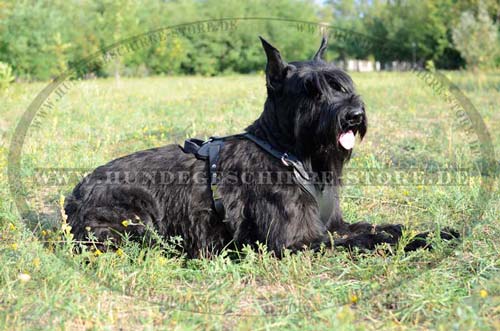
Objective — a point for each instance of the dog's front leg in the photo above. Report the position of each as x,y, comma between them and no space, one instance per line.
367,236
363,240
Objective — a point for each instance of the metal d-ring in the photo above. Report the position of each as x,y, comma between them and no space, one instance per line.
284,159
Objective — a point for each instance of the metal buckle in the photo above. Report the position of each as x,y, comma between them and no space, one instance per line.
284,159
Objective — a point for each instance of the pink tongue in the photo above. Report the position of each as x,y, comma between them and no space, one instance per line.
347,139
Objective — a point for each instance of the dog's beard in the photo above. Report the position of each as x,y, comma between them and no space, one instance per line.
349,130
331,139
332,135
347,137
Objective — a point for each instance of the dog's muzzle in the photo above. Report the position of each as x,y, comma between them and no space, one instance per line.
355,118
353,123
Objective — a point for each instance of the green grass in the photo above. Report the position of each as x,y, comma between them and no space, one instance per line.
410,128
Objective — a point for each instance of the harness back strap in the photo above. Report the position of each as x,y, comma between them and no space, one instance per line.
213,156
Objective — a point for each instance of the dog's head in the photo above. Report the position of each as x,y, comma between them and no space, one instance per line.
314,103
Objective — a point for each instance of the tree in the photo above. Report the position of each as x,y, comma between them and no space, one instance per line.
476,39
410,29
28,32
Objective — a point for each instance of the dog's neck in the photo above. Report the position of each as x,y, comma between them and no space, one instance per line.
328,167
281,135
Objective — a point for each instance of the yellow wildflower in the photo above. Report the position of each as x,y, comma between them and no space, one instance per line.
12,227
483,294
119,252
354,299
23,277
125,223
61,200
36,262
97,252
61,208
65,227
14,246
413,233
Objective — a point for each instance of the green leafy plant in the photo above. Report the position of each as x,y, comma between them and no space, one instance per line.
476,38
6,76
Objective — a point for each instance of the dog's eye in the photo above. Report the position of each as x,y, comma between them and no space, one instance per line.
337,87
317,86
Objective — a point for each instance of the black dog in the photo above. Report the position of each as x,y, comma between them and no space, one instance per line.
306,132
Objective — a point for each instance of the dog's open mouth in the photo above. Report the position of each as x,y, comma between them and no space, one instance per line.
347,139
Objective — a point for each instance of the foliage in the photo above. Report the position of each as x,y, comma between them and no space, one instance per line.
6,76
477,39
42,38
418,29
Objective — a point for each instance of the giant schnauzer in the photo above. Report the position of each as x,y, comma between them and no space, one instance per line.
277,183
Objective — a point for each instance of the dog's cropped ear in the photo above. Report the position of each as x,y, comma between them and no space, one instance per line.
276,68
321,51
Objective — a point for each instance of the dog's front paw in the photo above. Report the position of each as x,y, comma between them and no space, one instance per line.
364,241
421,240
449,234
395,230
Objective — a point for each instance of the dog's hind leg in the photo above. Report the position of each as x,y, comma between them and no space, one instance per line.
105,227
110,213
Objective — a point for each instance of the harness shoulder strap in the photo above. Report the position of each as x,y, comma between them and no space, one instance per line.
323,198
289,160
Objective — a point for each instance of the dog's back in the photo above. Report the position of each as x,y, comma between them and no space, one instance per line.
166,190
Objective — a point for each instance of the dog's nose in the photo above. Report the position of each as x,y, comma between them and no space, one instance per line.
355,117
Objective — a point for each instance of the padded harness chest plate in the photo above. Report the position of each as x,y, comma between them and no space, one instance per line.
209,150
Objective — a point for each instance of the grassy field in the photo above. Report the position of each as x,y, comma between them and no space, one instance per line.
44,286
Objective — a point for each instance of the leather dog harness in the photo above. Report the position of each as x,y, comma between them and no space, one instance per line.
209,150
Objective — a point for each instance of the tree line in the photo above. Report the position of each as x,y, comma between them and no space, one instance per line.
39,39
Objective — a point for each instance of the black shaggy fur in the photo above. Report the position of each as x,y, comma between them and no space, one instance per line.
309,104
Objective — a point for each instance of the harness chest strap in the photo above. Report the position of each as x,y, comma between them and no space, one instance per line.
209,150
